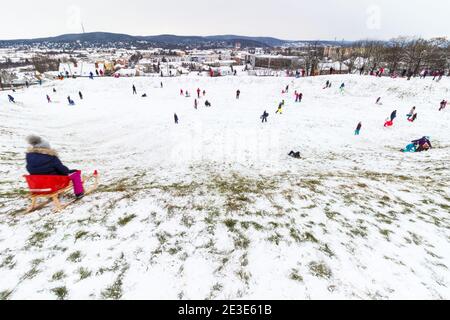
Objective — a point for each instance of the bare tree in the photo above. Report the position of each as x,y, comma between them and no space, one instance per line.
313,56
393,53
437,55
43,63
415,53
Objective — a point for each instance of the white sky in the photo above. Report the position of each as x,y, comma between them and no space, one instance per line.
286,19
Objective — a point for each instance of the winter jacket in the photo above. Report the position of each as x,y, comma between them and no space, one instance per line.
422,141
393,115
45,162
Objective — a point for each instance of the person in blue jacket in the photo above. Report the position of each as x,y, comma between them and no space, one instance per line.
43,160
11,98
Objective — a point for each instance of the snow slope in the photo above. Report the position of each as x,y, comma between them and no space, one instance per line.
214,208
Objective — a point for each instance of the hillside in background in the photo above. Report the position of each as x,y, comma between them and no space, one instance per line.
166,40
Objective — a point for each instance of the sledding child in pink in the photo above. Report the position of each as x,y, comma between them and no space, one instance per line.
42,160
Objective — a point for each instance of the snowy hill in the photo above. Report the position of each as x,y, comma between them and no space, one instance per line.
214,208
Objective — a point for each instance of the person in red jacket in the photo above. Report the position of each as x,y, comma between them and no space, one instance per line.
198,92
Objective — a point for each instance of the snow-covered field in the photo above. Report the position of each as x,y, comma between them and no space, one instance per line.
214,208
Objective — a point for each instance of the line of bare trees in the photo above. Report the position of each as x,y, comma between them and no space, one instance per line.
397,55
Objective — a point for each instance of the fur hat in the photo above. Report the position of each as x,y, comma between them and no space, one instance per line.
37,142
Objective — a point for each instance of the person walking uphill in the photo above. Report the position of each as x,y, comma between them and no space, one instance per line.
280,109
43,160
264,116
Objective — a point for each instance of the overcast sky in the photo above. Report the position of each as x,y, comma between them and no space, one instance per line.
286,19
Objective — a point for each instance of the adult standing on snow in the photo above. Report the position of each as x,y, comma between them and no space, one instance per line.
195,103
81,95
238,93
264,116
300,97
358,128
134,90
48,99
175,117
198,92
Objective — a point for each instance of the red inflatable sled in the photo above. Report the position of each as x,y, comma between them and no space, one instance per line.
51,187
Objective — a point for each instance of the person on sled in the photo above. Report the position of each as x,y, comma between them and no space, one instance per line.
423,141
411,112
295,155
413,117
43,160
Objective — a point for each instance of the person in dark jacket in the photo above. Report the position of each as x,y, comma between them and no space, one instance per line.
393,115
134,90
43,160
207,103
48,99
443,105
11,98
358,128
175,117
81,95
413,117
238,93
71,102
264,116
422,141
295,155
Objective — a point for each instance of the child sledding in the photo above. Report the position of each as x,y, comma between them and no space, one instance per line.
48,178
390,121
419,145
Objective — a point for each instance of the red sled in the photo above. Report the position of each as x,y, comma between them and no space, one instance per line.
50,187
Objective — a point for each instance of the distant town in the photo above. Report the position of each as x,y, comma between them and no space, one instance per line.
25,62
